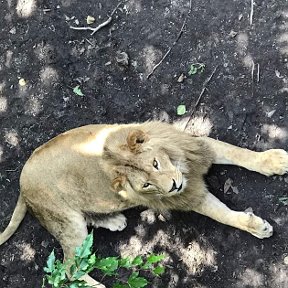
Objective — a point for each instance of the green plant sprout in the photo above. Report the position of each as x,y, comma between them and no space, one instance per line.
284,200
85,261
181,110
77,90
196,68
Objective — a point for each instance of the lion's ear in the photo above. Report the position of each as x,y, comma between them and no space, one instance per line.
135,139
118,183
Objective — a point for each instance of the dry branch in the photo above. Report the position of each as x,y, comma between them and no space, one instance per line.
95,29
174,43
205,83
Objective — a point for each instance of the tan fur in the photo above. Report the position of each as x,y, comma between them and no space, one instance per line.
105,169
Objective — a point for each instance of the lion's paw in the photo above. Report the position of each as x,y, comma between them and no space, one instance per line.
115,223
273,161
258,227
92,282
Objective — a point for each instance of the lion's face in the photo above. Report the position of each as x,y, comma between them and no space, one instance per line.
150,172
155,174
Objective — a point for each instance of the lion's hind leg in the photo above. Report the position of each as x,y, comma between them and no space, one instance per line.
247,221
70,229
270,162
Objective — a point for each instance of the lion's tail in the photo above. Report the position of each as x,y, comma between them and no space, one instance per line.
15,221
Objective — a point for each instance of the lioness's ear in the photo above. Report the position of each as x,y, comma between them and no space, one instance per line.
135,139
118,183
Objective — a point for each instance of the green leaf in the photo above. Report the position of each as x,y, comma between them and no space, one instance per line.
85,249
159,270
125,262
155,258
146,266
77,91
120,285
193,70
181,110
137,261
108,265
92,259
58,275
84,265
50,263
78,274
137,282
73,269
201,67
196,68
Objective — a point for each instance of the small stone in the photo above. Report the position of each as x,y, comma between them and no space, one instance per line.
233,34
285,260
44,244
249,209
90,20
278,74
22,82
13,31
122,58
181,78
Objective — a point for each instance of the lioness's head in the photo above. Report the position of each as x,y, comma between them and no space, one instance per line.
146,169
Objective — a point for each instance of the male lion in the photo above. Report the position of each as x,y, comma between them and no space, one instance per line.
90,174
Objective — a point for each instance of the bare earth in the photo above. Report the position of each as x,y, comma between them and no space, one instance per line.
246,102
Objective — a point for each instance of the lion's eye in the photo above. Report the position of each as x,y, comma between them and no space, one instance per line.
155,164
146,185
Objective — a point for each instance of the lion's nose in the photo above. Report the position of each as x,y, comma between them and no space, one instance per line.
174,186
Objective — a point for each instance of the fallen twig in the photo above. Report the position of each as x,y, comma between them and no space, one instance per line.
95,29
251,12
258,73
252,71
174,43
205,83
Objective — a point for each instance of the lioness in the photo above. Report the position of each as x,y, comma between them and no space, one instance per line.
90,174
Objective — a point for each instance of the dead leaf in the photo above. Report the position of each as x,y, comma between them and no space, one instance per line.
235,189
271,113
181,78
227,185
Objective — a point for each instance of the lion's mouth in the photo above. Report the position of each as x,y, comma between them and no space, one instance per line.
175,188
180,187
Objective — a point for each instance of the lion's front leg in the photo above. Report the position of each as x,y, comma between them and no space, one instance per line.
247,221
270,162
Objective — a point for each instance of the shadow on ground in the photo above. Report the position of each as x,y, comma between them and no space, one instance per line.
42,59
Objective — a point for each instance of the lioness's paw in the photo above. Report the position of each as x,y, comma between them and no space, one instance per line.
92,282
273,161
258,227
115,223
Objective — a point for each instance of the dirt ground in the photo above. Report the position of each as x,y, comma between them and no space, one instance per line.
246,101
